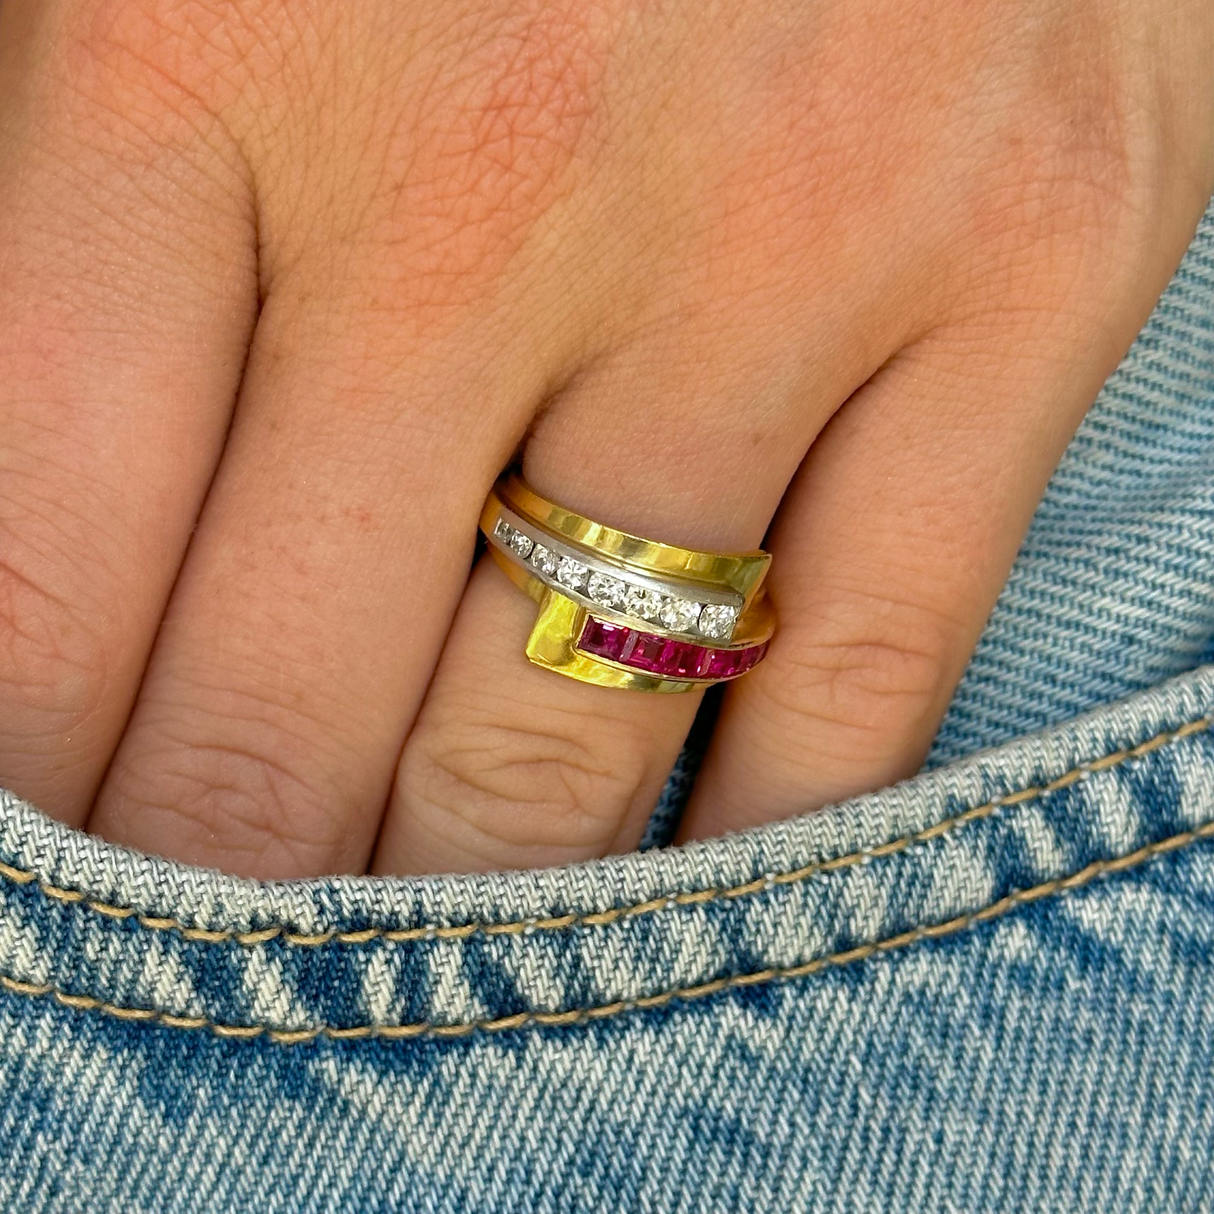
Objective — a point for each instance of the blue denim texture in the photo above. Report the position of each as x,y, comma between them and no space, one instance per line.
990,988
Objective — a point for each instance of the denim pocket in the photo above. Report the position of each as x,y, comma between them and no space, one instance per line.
100,929
980,981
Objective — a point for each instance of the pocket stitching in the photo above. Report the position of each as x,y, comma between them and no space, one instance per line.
1106,762
1056,887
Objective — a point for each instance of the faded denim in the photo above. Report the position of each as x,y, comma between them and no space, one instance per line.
990,988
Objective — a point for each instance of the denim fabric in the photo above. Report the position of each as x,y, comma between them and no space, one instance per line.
990,988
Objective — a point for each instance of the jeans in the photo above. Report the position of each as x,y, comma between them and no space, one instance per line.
989,988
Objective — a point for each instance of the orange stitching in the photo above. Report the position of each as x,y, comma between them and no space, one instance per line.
603,918
521,1020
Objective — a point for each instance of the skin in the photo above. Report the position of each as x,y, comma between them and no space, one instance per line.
284,286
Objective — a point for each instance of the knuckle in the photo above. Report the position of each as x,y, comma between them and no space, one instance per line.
248,799
496,791
123,61
463,169
150,84
875,685
512,119
1073,188
1073,149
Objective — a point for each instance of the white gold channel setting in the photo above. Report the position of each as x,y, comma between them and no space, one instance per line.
615,591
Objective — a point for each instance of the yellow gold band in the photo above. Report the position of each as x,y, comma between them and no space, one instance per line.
618,610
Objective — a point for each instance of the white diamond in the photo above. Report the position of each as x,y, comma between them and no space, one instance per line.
503,531
717,620
571,573
679,614
644,604
544,559
605,589
522,544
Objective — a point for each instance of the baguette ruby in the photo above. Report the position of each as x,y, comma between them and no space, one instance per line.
665,658
685,660
647,653
729,663
725,663
606,640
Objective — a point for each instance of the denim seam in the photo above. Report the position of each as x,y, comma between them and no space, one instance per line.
523,1020
19,876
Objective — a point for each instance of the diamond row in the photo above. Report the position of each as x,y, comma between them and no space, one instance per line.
713,620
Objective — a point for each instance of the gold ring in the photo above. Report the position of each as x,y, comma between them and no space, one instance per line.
617,610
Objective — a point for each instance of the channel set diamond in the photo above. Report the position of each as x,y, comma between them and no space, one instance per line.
572,573
522,544
717,620
607,590
544,559
679,615
642,604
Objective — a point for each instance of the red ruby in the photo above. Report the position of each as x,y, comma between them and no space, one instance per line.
683,660
755,654
665,658
725,663
729,663
647,653
606,640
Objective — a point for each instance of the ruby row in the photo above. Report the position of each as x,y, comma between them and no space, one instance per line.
664,657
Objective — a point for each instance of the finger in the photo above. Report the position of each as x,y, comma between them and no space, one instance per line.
127,293
888,554
318,588
510,765
389,381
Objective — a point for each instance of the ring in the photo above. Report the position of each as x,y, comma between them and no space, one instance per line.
617,610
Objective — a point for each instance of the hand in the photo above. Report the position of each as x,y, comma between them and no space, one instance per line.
283,286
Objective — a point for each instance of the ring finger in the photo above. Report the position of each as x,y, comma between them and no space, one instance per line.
511,765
